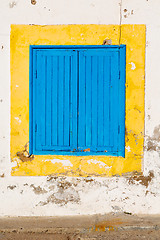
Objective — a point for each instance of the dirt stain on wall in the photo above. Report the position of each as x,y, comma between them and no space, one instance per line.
62,192
33,2
153,143
38,190
11,187
24,155
143,180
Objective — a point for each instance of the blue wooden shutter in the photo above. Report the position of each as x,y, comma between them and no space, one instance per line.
77,100
55,100
98,101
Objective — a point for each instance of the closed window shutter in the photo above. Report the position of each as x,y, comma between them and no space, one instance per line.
98,100
77,100
55,102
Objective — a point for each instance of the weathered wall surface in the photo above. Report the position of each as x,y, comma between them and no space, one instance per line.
76,195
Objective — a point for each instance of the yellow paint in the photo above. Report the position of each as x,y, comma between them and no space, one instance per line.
24,35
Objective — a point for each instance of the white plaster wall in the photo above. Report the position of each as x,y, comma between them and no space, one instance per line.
44,196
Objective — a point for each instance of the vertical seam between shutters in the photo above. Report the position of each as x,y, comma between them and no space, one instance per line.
78,55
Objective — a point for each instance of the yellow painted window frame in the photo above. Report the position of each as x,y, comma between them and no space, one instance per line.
24,35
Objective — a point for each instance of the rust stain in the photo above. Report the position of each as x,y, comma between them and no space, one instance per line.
111,228
107,225
86,150
2,175
143,180
24,155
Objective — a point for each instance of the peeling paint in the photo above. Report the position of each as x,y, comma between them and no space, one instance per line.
65,163
17,118
143,180
14,162
101,164
107,42
24,155
133,66
128,148
24,158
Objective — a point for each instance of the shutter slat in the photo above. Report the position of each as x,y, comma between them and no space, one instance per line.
48,101
94,102
100,101
88,101
66,101
114,101
54,104
74,97
82,102
60,100
41,99
107,72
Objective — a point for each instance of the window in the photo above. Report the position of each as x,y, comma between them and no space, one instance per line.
77,100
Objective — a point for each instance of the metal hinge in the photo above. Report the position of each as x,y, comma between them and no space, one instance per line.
118,129
119,74
35,127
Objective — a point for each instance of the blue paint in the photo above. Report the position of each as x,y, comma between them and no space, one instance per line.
77,100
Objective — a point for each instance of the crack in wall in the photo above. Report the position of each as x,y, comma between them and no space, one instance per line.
120,21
